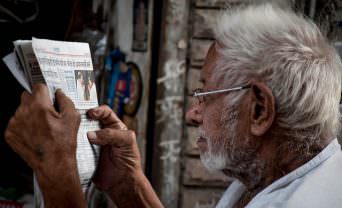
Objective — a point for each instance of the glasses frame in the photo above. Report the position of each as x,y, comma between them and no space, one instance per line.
197,93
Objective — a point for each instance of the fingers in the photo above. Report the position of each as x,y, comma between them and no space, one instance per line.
114,137
21,112
65,104
20,148
25,97
12,130
107,117
102,113
40,92
38,100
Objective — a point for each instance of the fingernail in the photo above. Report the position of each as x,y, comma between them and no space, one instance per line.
91,135
95,112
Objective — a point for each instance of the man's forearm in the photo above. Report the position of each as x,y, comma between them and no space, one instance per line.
62,192
69,197
138,192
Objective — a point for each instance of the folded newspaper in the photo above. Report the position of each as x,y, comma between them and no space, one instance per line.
66,66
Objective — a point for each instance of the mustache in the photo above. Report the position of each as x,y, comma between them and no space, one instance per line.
202,133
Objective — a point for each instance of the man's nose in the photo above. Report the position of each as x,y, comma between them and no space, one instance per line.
193,116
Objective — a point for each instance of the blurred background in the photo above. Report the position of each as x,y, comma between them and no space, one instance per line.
147,56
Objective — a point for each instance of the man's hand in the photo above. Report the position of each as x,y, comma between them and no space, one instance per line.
120,158
46,140
119,171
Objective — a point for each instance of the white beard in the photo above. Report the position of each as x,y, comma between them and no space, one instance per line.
213,162
215,158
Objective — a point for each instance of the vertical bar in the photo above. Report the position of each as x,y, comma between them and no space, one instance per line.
169,101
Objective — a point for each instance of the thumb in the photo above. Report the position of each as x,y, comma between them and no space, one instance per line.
65,104
110,136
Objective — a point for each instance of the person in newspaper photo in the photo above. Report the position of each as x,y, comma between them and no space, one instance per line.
268,116
85,86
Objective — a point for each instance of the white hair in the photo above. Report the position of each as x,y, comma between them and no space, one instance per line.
289,54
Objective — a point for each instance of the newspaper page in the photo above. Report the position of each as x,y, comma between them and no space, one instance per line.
68,66
29,61
14,66
20,57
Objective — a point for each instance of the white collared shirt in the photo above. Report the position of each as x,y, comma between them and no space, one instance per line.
316,184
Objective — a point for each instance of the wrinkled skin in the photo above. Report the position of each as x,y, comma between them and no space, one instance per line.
119,171
41,135
120,157
46,140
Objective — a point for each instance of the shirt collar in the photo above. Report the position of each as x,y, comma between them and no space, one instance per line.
326,153
236,189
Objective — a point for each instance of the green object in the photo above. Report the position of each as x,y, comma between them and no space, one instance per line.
10,193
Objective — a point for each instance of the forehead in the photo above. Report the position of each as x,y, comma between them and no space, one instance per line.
209,64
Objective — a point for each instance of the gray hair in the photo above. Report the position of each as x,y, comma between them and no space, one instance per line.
289,54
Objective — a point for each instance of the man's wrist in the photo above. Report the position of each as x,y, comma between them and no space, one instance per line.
131,180
63,187
57,171
134,192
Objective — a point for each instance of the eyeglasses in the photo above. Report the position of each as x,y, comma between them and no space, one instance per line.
200,95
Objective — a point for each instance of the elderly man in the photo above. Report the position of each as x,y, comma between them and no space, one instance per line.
268,116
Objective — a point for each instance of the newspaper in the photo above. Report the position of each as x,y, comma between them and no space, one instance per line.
66,66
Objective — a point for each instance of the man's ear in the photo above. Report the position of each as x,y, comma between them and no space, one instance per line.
262,111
